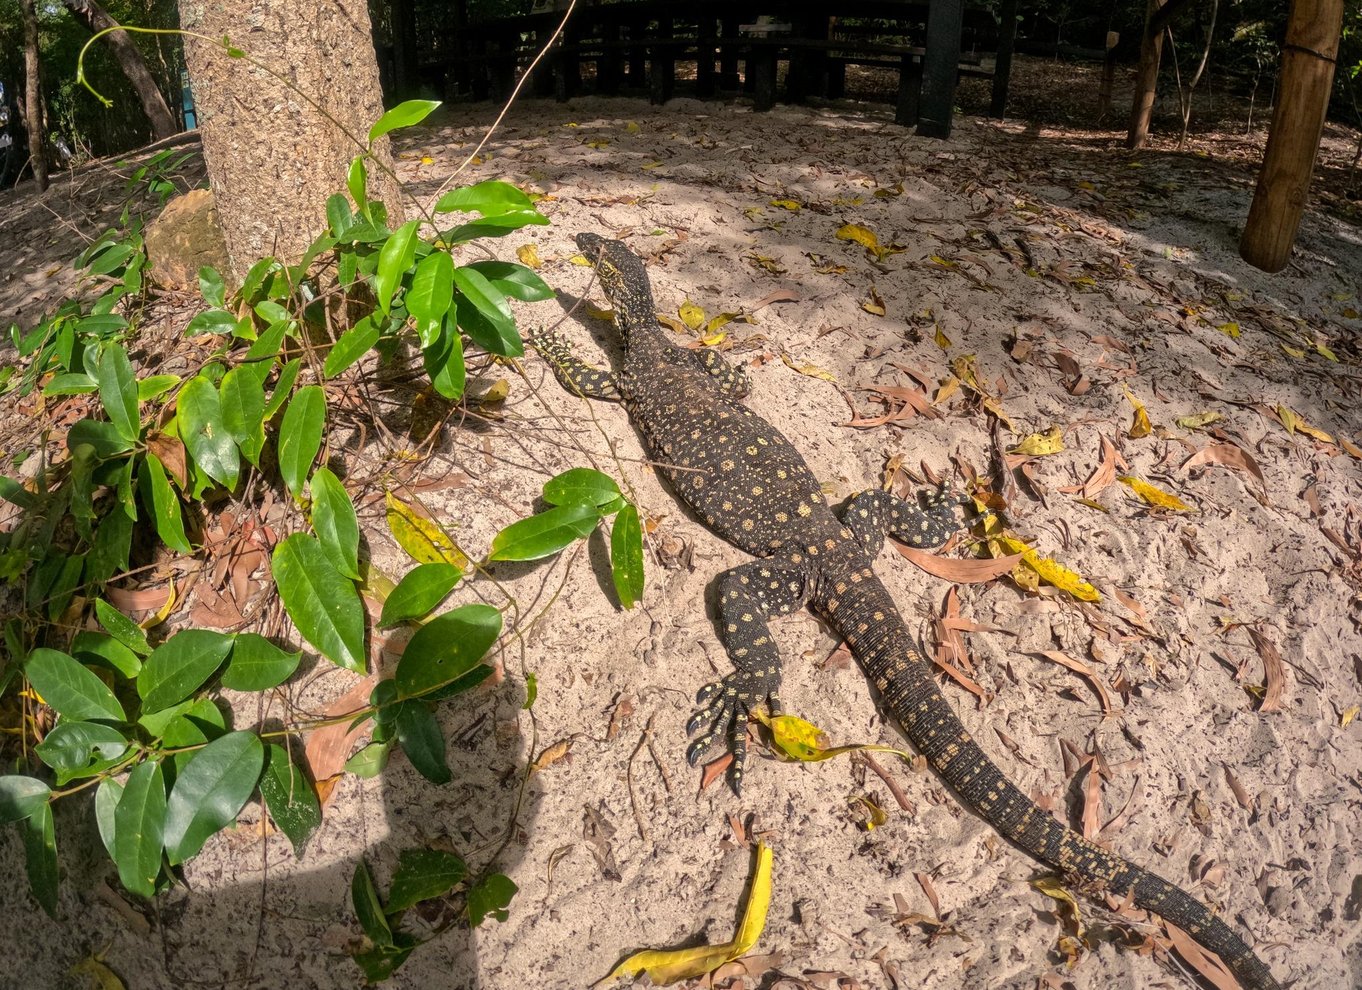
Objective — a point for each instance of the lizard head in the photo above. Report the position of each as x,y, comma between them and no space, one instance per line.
624,280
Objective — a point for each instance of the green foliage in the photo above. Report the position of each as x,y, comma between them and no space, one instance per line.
139,718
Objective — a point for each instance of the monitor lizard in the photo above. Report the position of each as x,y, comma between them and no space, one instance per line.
751,487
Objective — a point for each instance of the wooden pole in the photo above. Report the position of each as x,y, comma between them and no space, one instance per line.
940,67
33,96
1308,56
1002,66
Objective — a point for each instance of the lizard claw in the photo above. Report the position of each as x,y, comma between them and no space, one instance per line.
726,705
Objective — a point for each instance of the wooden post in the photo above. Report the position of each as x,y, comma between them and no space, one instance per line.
33,96
1308,56
1108,76
940,68
1002,64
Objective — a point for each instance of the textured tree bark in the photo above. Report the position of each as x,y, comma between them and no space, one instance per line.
273,157
130,60
33,95
1157,16
1312,35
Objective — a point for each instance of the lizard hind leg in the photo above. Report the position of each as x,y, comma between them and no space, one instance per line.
748,596
574,374
874,512
731,379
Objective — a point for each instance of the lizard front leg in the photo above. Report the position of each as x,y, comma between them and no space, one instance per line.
874,512
731,378
748,595
574,374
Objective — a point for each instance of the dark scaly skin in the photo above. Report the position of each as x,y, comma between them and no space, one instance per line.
752,488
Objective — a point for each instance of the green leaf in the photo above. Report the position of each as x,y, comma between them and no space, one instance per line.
370,760
626,556
544,534
300,436
211,321
20,797
180,666
531,691
287,376
419,735
16,494
396,256
379,962
321,601
367,907
491,306
118,392
72,384
204,432
99,648
290,798
257,664
156,385
490,897
40,854
352,345
493,226
112,545
444,362
446,648
139,824
210,791
165,506
339,216
211,286
334,521
104,437
490,198
357,180
78,749
123,629
422,874
106,806
269,342
511,279
243,411
71,688
272,313
403,115
581,486
431,292
424,587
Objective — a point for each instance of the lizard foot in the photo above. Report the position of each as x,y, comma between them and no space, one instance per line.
726,705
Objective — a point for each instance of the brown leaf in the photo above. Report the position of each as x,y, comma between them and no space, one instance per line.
1080,667
901,414
780,295
1105,472
139,599
925,882
959,571
915,397
1092,800
170,451
1228,455
713,771
1240,794
552,754
1204,961
328,748
1274,671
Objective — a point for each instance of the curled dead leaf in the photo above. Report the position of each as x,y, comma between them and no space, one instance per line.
975,571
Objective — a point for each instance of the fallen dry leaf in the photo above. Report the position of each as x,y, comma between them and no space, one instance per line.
327,748
1079,667
1227,455
1274,671
1204,961
976,571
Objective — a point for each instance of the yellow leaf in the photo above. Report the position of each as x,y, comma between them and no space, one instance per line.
1140,425
1295,352
96,975
1033,566
942,341
162,613
580,260
667,320
876,813
1050,887
786,204
1350,447
1349,313
422,538
427,160
1325,352
807,743
691,315
1230,328
667,966
863,236
1156,497
831,269
754,212
1348,716
812,370
948,388
996,408
649,166
714,339
631,127
723,319
1092,504
874,305
769,264
936,259
597,143
596,313
528,255
1041,444
497,393
1197,420
895,190
572,123
1294,424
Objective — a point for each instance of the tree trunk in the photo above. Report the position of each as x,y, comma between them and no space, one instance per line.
33,96
1312,35
1157,16
273,157
94,17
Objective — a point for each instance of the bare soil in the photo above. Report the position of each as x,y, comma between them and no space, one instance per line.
1213,739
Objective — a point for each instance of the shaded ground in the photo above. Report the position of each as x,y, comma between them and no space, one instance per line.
1071,278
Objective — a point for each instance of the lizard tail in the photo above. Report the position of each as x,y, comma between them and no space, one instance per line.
906,682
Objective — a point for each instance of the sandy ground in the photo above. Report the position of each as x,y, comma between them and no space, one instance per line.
1074,274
